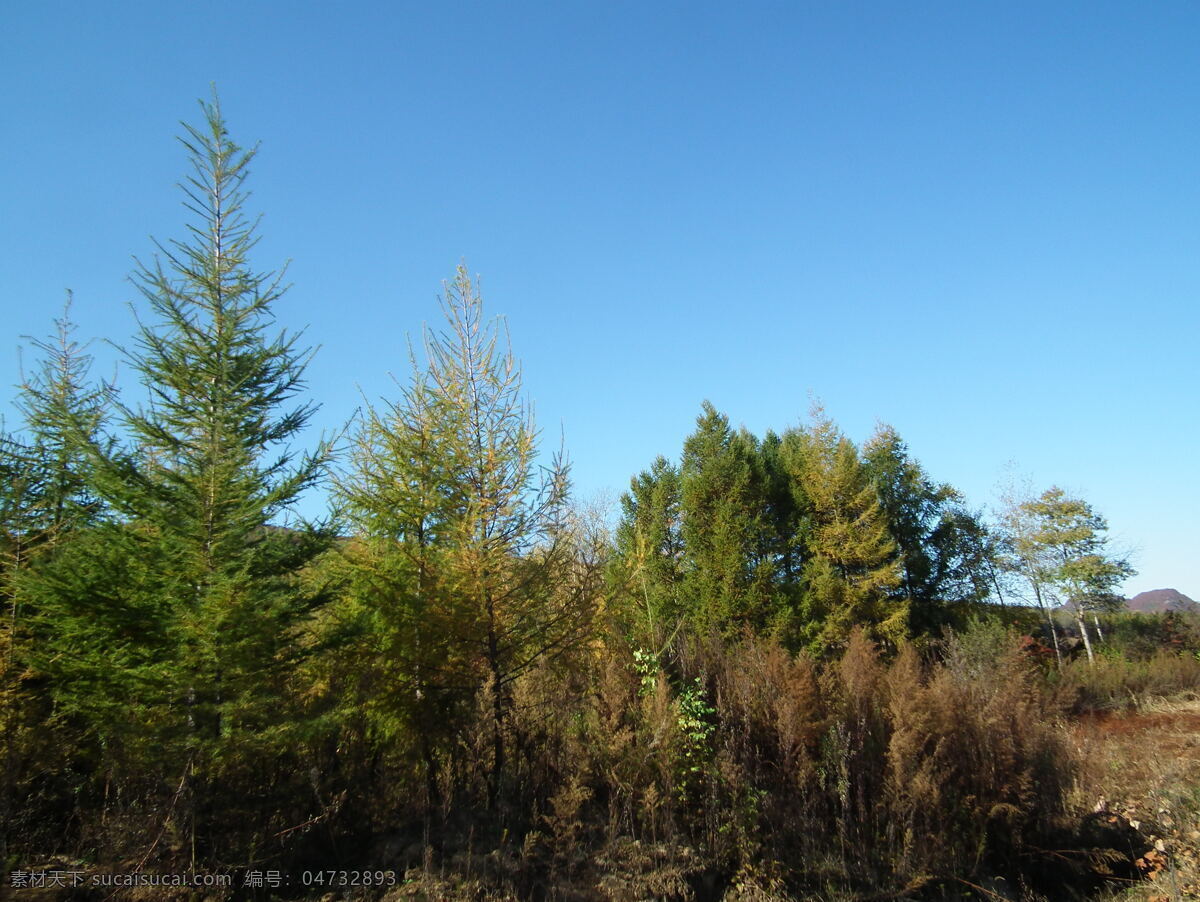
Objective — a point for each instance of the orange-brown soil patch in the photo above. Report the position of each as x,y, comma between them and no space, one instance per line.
1169,723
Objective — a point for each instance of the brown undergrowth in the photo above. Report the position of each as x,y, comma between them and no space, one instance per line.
739,771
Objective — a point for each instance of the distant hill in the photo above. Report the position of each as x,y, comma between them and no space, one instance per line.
1156,601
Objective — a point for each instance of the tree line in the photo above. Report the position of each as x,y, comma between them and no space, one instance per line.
806,536
184,652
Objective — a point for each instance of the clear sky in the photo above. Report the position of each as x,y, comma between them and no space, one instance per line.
979,222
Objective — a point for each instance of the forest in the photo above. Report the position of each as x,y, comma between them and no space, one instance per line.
790,666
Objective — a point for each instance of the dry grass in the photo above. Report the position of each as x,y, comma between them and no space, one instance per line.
1116,682
1145,765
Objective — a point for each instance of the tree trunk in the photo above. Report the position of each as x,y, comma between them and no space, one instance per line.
497,706
432,794
1037,593
996,585
1054,636
1087,642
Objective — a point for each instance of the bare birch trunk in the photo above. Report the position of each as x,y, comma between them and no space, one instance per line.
1083,631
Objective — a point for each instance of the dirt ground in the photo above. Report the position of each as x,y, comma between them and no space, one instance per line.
1145,766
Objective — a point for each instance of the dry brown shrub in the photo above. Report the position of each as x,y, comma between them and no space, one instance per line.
853,759
860,674
857,775
770,705
973,764
625,744
633,869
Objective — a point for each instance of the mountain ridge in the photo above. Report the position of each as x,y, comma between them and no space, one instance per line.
1157,601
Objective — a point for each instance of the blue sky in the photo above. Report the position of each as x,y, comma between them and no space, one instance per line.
975,221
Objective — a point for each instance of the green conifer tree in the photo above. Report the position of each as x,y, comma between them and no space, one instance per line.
184,608
60,405
729,576
650,549
44,501
44,489
784,504
937,539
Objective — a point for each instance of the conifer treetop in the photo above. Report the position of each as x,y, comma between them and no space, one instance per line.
222,389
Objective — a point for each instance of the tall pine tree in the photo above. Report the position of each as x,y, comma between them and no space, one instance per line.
187,602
